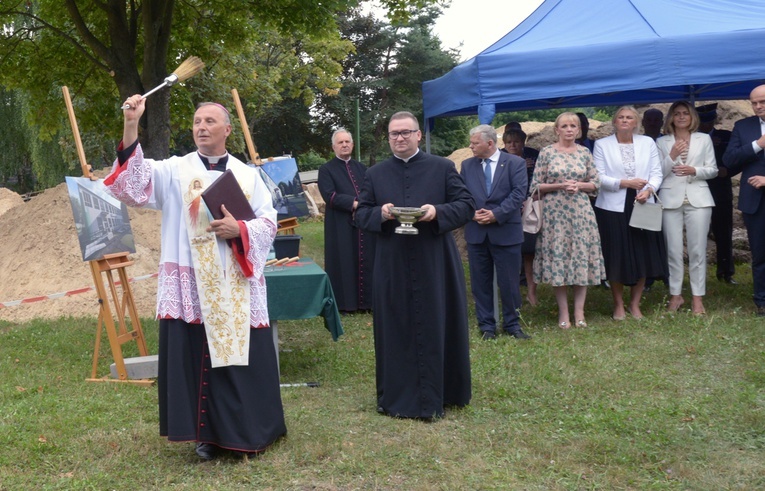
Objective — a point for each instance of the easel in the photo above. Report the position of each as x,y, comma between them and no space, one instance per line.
105,265
288,225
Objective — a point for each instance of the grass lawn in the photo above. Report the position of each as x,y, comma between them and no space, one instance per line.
669,402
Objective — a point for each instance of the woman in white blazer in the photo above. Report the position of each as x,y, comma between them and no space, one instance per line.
630,170
688,160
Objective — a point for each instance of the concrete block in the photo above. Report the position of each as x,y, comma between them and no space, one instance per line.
139,367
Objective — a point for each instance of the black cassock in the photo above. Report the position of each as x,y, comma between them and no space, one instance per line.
420,299
234,407
348,251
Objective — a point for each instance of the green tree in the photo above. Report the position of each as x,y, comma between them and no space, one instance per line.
385,74
107,50
16,164
29,161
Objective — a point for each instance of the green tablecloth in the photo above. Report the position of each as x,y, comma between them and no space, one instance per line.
301,291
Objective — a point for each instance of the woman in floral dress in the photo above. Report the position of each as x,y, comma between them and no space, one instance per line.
568,250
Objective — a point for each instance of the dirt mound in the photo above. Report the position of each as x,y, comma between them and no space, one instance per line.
40,256
8,200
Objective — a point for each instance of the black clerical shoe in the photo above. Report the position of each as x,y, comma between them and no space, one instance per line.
761,311
728,279
206,451
519,334
488,335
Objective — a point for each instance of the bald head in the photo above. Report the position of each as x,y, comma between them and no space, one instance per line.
757,98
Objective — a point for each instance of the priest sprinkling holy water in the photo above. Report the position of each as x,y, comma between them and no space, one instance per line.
218,372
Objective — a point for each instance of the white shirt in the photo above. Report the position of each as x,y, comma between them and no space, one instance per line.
756,147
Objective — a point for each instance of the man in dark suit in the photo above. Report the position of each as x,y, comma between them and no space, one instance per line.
498,183
745,155
722,192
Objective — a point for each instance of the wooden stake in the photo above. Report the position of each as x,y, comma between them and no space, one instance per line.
86,169
254,157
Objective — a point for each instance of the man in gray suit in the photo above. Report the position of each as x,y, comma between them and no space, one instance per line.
498,182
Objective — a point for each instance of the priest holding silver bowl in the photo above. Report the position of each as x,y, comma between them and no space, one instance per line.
413,201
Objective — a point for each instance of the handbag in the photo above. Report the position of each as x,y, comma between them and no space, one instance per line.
531,216
647,216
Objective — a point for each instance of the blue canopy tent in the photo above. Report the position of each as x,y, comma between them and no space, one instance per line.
580,53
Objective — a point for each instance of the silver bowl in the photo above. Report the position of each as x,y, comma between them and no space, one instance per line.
407,216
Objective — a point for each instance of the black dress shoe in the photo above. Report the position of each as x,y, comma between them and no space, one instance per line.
488,335
761,311
206,451
519,334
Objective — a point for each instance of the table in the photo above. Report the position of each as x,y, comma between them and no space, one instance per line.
302,290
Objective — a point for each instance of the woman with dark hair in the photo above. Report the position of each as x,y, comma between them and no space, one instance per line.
515,140
630,171
688,160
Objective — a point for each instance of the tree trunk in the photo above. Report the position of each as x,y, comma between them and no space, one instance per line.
157,18
156,141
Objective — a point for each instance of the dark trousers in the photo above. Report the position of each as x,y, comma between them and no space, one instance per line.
755,228
722,227
483,259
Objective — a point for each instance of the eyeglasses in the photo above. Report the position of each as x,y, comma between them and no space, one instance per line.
393,135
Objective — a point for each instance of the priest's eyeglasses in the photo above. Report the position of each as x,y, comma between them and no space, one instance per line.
393,135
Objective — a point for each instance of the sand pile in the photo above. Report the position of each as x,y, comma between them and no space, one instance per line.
8,200
40,255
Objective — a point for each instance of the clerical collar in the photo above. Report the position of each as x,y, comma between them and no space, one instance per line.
408,158
344,160
214,162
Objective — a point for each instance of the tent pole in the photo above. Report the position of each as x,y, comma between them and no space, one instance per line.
427,137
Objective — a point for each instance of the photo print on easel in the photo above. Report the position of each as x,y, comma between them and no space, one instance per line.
102,222
283,180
